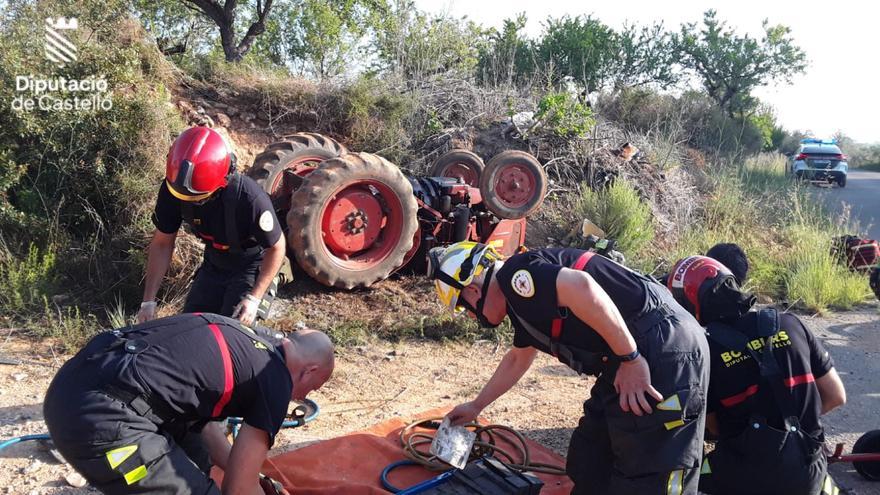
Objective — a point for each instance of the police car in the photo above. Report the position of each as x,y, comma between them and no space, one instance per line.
819,160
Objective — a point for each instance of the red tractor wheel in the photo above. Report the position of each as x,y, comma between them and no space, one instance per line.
869,443
279,169
460,164
513,184
352,221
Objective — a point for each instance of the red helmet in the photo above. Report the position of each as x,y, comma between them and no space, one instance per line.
199,163
694,278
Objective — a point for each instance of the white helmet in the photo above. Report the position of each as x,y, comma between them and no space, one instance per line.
455,267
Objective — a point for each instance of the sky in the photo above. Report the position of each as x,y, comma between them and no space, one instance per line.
839,91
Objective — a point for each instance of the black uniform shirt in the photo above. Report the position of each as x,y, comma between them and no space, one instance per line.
528,281
256,220
186,371
736,389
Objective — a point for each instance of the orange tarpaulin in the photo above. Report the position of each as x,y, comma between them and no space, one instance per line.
351,464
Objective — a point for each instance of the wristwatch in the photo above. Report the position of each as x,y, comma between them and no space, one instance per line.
629,357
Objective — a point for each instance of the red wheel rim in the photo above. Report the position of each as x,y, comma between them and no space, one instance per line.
515,185
462,171
301,167
361,224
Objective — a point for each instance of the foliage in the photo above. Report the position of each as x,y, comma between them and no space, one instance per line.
70,178
564,115
732,65
620,212
226,14
325,34
414,45
507,57
26,283
177,29
643,55
578,48
764,122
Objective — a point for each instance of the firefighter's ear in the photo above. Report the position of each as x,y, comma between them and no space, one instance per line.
233,163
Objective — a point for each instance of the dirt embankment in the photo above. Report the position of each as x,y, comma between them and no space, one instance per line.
383,380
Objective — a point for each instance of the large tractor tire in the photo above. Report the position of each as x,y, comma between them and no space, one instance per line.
460,164
874,280
280,168
513,184
352,221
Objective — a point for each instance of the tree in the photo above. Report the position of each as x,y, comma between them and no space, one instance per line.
580,48
508,55
644,56
731,65
323,34
176,28
224,14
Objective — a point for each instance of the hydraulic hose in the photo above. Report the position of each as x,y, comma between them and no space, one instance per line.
487,444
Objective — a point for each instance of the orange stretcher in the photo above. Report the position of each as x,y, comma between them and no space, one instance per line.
352,464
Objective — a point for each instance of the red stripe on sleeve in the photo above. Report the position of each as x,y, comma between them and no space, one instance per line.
799,380
227,370
740,397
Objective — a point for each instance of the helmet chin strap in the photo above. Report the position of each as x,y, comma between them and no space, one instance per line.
478,310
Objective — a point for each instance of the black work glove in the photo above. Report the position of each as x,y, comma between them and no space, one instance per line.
271,487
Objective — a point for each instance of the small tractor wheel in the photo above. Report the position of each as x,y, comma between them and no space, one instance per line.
352,221
869,443
279,169
461,164
513,184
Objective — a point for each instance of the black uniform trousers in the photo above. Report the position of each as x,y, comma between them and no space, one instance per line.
617,452
222,282
117,450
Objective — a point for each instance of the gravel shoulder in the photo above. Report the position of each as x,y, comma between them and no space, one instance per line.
381,381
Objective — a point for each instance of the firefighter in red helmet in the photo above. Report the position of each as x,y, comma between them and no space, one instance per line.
770,381
231,214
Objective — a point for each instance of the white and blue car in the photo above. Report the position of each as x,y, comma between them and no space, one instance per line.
820,160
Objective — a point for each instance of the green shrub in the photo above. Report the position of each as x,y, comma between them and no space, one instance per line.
83,181
26,283
564,116
620,212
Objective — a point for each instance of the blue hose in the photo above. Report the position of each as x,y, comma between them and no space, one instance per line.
25,438
419,488
290,423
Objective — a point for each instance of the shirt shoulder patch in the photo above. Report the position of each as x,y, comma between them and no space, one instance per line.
523,284
266,221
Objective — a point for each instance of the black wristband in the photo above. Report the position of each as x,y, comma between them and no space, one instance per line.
629,357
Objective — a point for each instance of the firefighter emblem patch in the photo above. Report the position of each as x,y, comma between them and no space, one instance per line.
523,284
266,222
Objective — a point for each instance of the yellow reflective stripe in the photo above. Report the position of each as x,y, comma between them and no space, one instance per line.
136,474
117,456
828,486
670,404
671,425
674,485
706,468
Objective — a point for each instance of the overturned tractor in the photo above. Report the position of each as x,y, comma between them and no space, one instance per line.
354,218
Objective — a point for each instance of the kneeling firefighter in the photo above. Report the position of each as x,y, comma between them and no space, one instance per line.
642,428
122,411
771,380
231,214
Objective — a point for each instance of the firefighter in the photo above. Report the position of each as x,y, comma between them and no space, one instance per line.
231,214
119,409
771,380
642,428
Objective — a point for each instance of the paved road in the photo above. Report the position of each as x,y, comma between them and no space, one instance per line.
862,195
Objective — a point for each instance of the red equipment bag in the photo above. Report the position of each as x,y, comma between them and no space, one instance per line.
859,254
